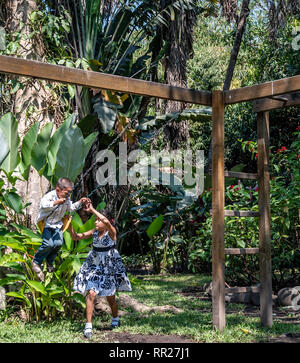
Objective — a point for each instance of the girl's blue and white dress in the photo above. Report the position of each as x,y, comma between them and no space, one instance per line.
103,272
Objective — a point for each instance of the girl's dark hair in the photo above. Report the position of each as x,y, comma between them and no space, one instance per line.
109,216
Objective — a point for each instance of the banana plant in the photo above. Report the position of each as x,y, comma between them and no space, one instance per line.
11,204
39,298
4,147
9,132
52,156
114,42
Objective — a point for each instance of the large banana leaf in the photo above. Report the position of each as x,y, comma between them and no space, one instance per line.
9,128
37,286
7,260
27,145
40,148
155,226
69,159
14,201
55,142
107,113
4,148
20,295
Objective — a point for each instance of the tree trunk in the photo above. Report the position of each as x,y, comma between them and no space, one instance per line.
241,25
179,36
33,94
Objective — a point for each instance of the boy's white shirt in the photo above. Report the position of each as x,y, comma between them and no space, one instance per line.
46,207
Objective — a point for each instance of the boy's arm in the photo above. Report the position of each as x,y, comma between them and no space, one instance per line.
47,204
74,206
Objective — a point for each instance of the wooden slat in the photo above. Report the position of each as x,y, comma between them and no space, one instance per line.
263,135
237,289
51,72
268,104
241,251
241,213
240,175
218,201
278,87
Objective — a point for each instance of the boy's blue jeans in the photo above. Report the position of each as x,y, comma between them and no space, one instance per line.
52,242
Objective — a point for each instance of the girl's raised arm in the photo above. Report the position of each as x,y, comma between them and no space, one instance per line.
111,229
78,236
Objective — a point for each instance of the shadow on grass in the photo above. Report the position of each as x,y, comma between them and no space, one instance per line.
196,319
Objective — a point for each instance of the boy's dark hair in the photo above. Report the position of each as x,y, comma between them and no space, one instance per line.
64,183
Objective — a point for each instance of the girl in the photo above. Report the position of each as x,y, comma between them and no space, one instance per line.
103,272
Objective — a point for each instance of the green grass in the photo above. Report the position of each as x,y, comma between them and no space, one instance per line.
194,322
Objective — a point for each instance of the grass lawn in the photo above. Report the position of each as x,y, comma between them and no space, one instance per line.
195,322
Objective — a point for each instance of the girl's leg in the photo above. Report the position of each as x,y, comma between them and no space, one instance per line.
90,300
114,311
113,305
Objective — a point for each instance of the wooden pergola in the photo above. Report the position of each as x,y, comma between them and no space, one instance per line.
266,96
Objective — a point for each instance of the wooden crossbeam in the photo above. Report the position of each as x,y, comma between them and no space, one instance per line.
241,251
240,175
241,213
278,87
52,72
238,213
285,100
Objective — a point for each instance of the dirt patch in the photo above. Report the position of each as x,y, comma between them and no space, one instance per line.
285,338
115,337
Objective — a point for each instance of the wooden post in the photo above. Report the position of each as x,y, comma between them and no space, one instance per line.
218,205
264,219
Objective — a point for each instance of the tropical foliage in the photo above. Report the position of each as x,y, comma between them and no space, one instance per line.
51,154
160,223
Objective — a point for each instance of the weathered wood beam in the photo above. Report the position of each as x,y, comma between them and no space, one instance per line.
263,136
268,104
240,213
241,251
51,72
239,175
218,202
278,87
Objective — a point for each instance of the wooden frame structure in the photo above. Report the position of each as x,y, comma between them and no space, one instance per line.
267,96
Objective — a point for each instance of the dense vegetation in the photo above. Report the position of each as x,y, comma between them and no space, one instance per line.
157,225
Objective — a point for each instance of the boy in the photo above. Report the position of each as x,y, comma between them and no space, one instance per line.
53,206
